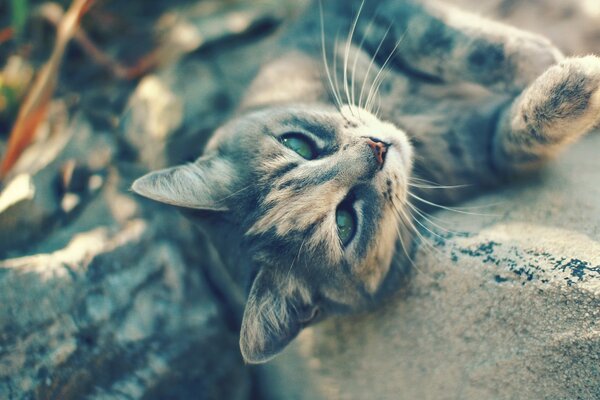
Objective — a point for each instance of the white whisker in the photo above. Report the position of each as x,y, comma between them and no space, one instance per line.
236,192
426,184
456,210
297,256
377,84
378,109
438,186
336,81
430,218
325,62
405,248
347,54
422,238
422,225
360,46
362,89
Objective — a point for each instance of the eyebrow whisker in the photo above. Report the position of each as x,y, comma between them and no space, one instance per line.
337,99
346,55
362,89
360,47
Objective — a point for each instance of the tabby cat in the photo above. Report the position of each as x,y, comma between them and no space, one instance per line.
313,194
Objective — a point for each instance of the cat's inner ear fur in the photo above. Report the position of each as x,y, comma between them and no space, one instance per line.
276,311
201,185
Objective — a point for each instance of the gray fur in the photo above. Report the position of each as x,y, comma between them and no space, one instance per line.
460,99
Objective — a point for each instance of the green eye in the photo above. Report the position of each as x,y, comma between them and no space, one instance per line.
300,145
346,224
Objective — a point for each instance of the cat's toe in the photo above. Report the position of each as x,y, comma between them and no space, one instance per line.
531,55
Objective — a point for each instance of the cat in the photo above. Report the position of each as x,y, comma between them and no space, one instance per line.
369,114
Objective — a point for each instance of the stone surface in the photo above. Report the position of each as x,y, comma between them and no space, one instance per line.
30,204
177,101
206,23
172,113
116,313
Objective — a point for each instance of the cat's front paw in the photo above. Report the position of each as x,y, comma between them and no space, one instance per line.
556,109
563,103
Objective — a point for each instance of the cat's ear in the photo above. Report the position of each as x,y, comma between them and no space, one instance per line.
276,311
201,185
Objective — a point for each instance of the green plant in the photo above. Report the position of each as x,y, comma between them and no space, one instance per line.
18,14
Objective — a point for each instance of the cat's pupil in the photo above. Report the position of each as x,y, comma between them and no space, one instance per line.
300,144
346,224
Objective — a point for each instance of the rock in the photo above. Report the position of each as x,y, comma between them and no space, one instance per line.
32,203
114,313
168,104
29,208
172,113
506,307
113,303
206,23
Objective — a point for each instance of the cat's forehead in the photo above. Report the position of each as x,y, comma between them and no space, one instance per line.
324,124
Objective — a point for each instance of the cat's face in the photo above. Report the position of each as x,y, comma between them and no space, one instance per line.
313,197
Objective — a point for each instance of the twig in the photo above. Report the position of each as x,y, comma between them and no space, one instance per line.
53,14
6,34
34,108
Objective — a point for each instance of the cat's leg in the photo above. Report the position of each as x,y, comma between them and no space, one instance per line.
555,110
444,42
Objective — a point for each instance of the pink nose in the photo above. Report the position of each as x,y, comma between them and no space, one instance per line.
379,149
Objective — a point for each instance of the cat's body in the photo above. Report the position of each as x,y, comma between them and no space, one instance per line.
311,195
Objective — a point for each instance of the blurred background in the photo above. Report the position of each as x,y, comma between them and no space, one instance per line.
103,294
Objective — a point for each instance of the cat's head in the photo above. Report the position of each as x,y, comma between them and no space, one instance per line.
307,201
